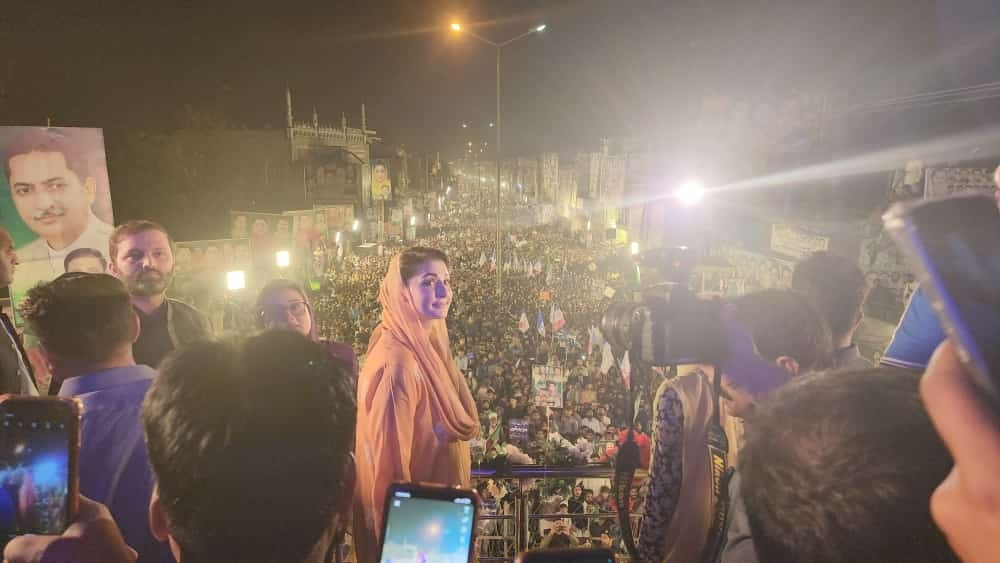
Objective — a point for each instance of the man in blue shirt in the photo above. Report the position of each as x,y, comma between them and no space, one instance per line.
919,333
86,326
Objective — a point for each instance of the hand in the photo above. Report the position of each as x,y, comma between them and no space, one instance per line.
966,506
92,538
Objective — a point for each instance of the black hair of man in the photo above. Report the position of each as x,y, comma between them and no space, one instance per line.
85,252
840,468
836,288
783,323
79,317
251,443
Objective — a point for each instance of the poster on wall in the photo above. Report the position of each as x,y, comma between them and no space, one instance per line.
206,257
947,181
338,217
55,200
331,174
267,233
796,242
381,180
548,384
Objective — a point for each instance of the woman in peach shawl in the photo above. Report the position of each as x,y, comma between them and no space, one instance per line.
415,412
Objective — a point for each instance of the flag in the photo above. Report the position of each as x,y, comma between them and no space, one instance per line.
556,318
548,275
606,360
522,324
626,370
538,266
482,259
493,261
540,324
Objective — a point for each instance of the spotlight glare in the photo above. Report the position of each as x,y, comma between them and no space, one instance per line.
634,248
283,258
690,193
456,26
541,28
236,280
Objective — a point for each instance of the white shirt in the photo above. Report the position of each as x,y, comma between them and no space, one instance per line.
95,236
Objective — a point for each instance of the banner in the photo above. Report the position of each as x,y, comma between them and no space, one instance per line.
198,257
267,233
330,174
796,242
517,429
55,199
381,180
947,181
338,217
548,384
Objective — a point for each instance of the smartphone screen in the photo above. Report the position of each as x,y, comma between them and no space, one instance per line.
420,529
956,244
36,459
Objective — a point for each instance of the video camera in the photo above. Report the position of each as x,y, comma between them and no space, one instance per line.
670,325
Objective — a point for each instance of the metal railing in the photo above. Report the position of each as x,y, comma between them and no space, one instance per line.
514,529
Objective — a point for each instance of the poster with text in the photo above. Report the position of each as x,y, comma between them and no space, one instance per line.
55,200
548,384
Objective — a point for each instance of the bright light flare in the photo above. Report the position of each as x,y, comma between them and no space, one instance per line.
413,220
355,225
283,258
634,248
236,280
541,28
690,193
455,26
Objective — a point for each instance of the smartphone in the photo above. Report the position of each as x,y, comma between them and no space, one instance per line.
39,451
426,523
573,555
954,246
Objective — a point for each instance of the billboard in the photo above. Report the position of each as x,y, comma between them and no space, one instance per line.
331,174
381,180
948,181
796,242
267,233
55,199
338,217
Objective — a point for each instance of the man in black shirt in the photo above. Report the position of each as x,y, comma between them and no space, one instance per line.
15,371
142,257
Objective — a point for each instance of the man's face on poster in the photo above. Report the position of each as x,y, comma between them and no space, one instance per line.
240,226
50,198
282,228
260,228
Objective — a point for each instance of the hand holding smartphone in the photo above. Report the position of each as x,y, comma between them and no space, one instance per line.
954,246
39,449
429,523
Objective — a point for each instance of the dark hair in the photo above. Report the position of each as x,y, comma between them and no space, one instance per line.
411,259
840,467
64,142
833,285
279,284
782,323
79,316
81,252
251,444
133,228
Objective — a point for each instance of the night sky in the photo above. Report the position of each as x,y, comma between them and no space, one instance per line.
603,68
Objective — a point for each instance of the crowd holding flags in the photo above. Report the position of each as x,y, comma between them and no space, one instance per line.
522,324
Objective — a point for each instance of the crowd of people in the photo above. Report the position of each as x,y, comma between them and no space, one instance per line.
270,447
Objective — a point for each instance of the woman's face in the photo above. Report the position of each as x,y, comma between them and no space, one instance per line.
286,309
430,290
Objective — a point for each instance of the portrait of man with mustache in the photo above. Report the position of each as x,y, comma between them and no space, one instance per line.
53,190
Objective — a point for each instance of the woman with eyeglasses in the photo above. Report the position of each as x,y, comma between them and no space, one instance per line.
283,305
416,414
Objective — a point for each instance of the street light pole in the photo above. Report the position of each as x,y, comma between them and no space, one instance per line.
499,47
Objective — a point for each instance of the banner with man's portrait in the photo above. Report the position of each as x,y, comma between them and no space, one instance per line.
381,180
55,199
267,233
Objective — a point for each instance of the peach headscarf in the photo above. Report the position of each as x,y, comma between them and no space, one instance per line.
451,402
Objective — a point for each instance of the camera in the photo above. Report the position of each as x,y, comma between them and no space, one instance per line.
670,325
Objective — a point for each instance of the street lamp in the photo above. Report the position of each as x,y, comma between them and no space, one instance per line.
457,27
690,193
283,258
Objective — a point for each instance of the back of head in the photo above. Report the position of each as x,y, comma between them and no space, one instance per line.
80,318
251,445
833,285
840,467
782,323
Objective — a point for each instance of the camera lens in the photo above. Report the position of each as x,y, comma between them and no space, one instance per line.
616,325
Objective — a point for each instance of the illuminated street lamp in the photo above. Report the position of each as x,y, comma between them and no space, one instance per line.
356,225
690,193
413,220
283,258
457,27
634,248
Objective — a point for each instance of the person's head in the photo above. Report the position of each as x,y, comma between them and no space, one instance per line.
840,467
283,304
282,229
578,491
588,495
88,260
81,321
380,174
426,277
787,332
836,288
268,420
8,258
141,255
260,228
239,229
51,184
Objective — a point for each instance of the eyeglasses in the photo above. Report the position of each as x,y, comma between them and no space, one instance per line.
298,309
